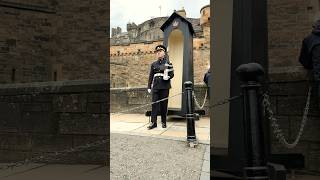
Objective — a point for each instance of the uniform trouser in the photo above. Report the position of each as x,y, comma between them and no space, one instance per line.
159,94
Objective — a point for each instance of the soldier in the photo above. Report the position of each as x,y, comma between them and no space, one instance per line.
161,73
207,81
310,55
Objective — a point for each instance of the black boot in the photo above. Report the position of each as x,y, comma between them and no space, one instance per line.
164,125
152,125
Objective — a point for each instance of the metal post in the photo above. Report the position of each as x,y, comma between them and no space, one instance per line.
256,163
191,133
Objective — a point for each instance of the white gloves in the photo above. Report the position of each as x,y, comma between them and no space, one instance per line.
149,91
165,76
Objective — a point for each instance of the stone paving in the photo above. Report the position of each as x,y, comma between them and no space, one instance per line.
136,124
55,172
146,157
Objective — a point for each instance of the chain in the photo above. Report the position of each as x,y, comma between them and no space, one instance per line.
224,101
145,105
275,125
196,101
53,155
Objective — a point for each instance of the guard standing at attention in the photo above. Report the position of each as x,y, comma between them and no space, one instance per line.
161,73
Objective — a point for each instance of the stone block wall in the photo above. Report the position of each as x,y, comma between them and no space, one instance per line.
288,23
81,39
42,118
288,100
122,99
46,40
26,41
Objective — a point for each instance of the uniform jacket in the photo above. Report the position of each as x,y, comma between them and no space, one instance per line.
157,82
206,78
308,45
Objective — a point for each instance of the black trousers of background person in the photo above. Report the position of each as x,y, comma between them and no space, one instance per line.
159,94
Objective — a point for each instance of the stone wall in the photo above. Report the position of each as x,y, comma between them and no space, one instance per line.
45,40
81,38
26,41
288,23
122,99
42,118
288,100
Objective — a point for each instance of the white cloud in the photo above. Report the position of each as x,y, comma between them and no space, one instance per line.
138,11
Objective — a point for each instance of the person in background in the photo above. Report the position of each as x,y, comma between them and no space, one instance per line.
207,80
310,55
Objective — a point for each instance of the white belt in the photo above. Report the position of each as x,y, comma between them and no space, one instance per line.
158,74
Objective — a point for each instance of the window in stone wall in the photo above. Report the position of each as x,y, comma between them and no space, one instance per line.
13,75
55,76
56,72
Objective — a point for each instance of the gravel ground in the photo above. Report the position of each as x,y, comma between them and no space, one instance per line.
138,157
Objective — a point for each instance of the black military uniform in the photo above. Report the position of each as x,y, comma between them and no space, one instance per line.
207,80
161,73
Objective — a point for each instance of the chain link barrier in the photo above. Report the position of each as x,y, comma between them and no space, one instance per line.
54,155
224,101
145,105
275,122
196,100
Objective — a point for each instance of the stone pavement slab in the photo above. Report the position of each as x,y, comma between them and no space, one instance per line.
145,157
176,128
55,172
304,177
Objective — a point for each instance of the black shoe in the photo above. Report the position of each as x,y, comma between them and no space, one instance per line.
152,125
164,125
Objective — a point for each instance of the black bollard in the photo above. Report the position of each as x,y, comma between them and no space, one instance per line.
256,163
191,132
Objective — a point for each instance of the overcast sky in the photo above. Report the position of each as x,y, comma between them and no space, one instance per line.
138,11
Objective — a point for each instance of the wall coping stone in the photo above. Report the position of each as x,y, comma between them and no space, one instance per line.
69,86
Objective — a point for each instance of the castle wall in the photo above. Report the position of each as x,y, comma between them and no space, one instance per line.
48,117
44,40
288,24
26,41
